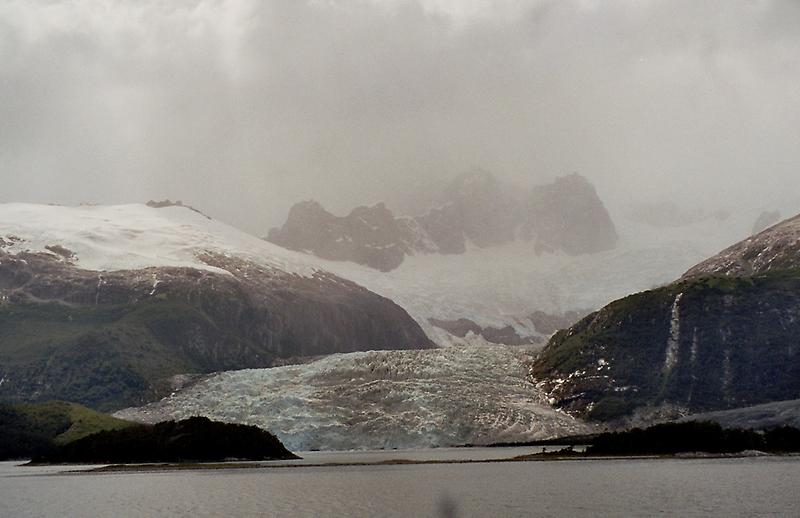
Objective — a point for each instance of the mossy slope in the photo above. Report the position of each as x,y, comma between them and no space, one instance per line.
699,344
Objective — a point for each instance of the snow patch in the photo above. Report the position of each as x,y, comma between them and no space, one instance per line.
132,237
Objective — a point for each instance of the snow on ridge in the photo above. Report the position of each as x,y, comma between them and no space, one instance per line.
500,286
135,236
379,399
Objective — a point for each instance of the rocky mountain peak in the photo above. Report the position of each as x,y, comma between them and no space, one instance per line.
368,235
102,304
720,337
568,215
478,208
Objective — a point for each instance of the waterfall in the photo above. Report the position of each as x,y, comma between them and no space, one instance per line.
673,340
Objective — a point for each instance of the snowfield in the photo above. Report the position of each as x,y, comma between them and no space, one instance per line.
503,285
495,287
132,237
379,399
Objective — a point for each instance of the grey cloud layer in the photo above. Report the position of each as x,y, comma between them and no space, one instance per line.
243,107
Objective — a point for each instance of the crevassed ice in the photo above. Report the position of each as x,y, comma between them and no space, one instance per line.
379,399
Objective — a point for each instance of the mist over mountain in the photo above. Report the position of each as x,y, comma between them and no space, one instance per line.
418,241
244,108
105,305
724,335
478,211
483,172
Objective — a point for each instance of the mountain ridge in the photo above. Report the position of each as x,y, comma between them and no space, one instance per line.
477,210
104,305
722,336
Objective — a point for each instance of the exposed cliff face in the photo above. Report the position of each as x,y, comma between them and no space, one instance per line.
368,235
505,335
486,211
724,336
565,216
568,215
114,338
698,345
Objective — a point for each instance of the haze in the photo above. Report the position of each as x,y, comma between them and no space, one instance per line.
244,107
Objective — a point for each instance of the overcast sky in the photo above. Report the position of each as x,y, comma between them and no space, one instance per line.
243,107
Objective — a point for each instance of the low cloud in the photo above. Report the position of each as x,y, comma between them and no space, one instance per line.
244,107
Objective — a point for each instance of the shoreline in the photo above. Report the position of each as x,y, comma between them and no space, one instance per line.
536,457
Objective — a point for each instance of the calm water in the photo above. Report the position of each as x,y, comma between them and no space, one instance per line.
718,487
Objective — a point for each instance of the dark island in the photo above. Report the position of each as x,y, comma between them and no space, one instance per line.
62,432
197,439
39,429
695,436
666,439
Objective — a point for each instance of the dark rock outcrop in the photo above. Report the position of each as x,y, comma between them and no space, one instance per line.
476,208
487,211
163,204
724,336
368,235
568,215
506,335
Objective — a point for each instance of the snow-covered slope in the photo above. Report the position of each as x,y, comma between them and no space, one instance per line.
379,399
102,305
131,237
503,285
495,286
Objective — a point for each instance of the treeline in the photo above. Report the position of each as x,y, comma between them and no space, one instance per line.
22,437
695,436
61,432
197,439
38,429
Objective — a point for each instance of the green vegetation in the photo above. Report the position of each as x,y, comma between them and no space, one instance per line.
695,436
737,345
105,356
37,429
196,439
57,431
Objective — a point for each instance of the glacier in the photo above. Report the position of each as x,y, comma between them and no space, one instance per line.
476,394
